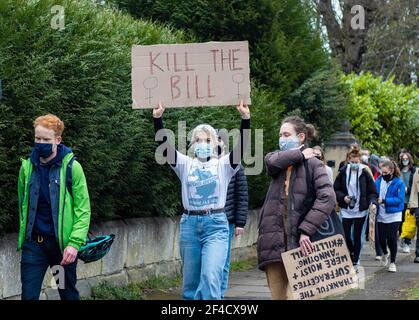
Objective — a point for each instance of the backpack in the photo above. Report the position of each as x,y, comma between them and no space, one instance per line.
69,177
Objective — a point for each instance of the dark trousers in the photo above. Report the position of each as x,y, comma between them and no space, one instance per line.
36,258
387,233
354,246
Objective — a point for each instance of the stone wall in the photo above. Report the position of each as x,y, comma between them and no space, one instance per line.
143,247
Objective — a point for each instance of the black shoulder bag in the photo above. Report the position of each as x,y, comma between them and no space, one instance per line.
332,225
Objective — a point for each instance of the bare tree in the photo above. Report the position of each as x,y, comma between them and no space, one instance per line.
387,43
393,46
348,44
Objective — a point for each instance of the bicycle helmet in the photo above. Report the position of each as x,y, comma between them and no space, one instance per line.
96,248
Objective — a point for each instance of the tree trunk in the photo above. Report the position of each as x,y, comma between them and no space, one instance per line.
347,44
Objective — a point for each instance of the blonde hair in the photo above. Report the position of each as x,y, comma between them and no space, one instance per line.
210,131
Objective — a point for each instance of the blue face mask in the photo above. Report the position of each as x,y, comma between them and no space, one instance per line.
44,149
203,150
289,143
354,166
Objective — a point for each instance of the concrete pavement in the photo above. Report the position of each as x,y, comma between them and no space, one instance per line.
379,283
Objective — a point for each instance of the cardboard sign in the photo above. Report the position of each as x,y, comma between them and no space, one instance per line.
196,74
326,271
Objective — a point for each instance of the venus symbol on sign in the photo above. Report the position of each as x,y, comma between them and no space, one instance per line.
238,78
150,83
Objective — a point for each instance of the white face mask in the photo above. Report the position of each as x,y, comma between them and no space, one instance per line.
364,159
289,143
405,163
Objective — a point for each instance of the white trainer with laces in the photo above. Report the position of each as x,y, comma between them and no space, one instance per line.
378,258
392,267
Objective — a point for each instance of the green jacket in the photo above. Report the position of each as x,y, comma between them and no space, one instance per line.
74,211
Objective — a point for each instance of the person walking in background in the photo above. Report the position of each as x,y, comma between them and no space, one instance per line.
280,225
355,192
319,154
54,221
407,171
414,207
389,212
378,251
236,208
375,165
365,160
204,231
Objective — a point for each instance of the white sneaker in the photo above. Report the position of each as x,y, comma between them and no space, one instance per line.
384,260
406,248
401,243
392,267
357,267
378,258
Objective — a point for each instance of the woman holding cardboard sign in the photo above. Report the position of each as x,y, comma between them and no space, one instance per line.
204,230
286,223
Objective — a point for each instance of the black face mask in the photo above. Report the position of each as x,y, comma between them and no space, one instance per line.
319,157
387,177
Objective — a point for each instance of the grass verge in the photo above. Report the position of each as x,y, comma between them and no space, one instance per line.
243,265
134,290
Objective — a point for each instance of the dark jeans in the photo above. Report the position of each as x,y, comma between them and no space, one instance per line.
354,246
387,233
36,258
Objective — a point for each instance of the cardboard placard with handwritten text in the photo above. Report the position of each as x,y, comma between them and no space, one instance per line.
195,74
326,271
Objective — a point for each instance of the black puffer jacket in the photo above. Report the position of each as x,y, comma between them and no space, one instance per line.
368,191
237,199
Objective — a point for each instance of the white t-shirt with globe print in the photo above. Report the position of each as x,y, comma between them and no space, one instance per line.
204,184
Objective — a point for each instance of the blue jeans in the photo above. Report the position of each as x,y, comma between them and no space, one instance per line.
226,270
203,249
36,258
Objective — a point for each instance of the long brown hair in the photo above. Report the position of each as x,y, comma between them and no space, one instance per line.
409,156
392,165
321,153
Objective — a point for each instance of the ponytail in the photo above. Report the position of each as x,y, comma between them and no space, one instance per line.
301,127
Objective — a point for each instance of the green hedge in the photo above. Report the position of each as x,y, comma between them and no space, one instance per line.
322,100
83,75
384,116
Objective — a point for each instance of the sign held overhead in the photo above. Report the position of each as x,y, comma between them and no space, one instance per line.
196,74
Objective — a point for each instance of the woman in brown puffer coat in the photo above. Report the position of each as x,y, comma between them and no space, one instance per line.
280,226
